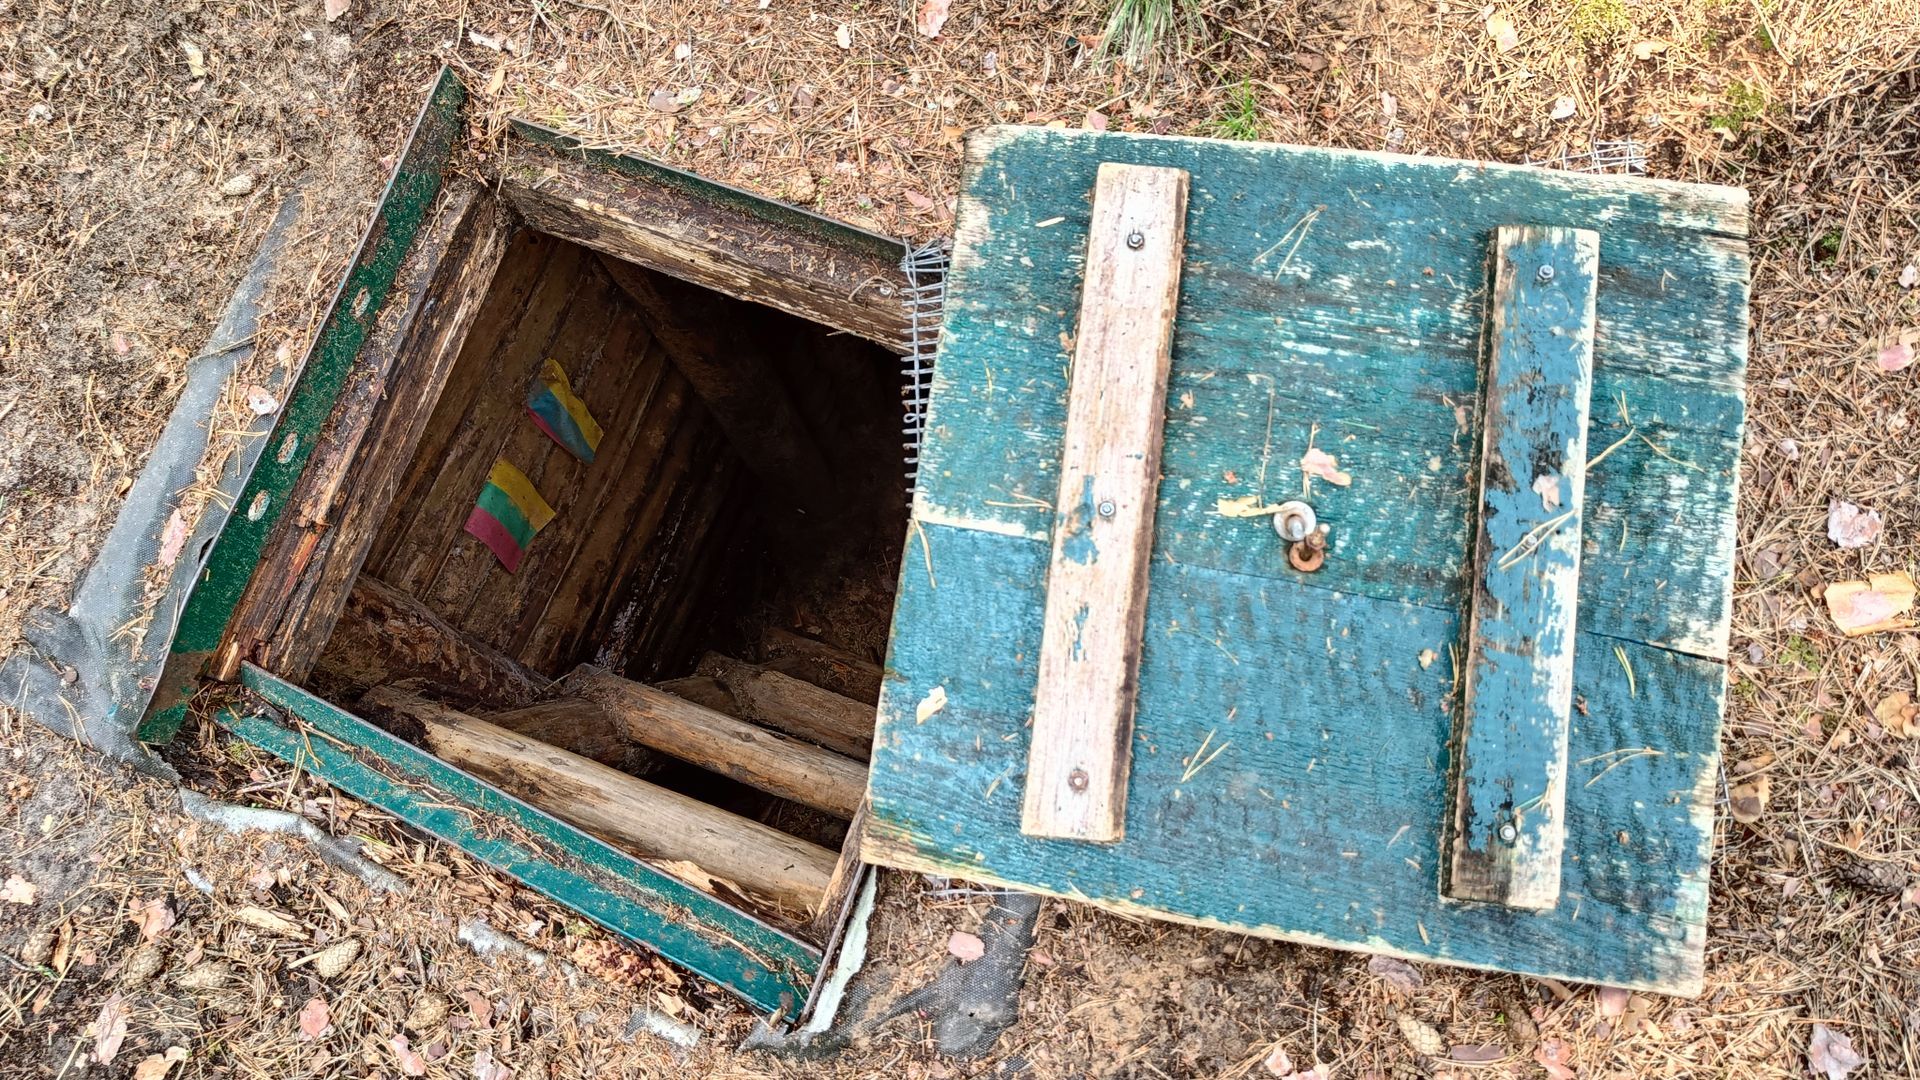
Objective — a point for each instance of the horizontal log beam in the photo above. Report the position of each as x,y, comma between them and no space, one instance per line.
651,821
716,238
792,705
754,756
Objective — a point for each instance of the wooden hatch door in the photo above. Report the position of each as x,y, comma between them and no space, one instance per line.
1475,719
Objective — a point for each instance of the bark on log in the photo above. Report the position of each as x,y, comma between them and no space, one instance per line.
754,756
385,636
821,664
792,705
650,821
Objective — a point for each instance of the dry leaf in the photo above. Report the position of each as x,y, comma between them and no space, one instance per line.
487,41
1898,349
315,1019
1897,714
1749,800
196,60
1396,973
1879,603
1244,506
1612,1000
19,890
1422,1036
156,1066
1506,37
337,8
154,918
485,1068
1563,109
1832,1054
259,402
1850,526
966,947
411,1064
1478,1053
1317,462
919,201
1427,657
1644,50
1278,1063
844,36
1910,276
1553,1055
173,538
1095,120
109,1029
933,16
479,1006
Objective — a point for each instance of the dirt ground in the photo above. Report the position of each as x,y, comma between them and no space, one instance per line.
126,129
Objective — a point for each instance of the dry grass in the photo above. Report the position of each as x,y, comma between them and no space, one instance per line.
120,250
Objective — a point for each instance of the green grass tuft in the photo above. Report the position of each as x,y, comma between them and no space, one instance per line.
1137,28
1744,105
1596,21
1240,119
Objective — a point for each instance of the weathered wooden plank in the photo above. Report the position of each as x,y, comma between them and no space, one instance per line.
433,268
741,388
718,238
629,897
547,635
754,756
1342,290
647,819
384,636
433,524
448,313
1510,762
1076,783
1290,770
619,386
521,271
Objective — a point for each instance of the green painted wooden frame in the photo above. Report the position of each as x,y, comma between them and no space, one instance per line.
764,966
716,941
403,211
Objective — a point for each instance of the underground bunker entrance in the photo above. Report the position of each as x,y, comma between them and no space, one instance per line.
639,572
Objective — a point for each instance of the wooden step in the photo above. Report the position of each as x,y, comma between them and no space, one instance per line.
693,732
821,664
795,706
648,820
385,636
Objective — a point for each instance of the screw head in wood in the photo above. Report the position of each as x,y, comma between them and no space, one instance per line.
1077,780
1545,275
1106,508
1136,240
1508,833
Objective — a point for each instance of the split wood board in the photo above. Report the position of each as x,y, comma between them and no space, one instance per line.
1294,730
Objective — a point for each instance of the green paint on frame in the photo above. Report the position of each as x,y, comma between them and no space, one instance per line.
404,209
763,966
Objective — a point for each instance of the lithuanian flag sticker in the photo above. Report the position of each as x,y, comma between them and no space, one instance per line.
561,415
510,512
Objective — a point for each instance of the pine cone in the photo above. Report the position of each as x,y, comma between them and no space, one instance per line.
1873,875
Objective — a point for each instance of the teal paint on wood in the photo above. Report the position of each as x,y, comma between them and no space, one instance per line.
404,208
689,927
1338,297
1510,786
1319,819
1346,290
